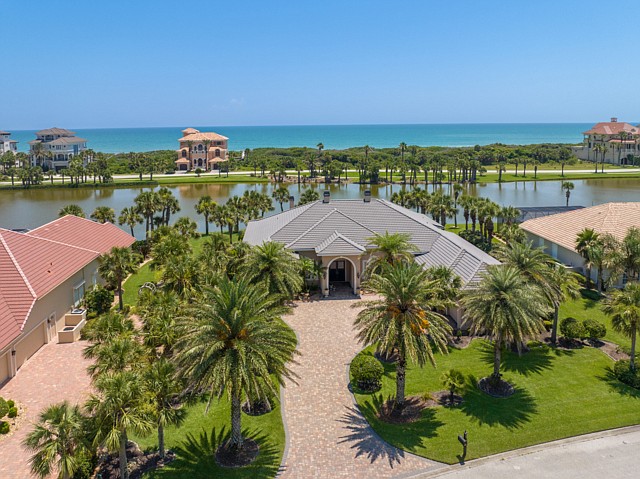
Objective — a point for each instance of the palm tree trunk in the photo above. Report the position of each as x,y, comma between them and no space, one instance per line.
206,226
236,424
160,440
600,280
632,354
401,367
120,303
497,352
131,229
124,470
554,328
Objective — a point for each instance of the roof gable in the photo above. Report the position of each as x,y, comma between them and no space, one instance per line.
336,245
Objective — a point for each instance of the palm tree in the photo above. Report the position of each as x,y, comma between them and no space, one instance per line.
186,227
567,186
309,195
130,216
59,441
167,204
118,408
586,243
453,381
505,307
403,320
563,285
457,191
180,274
158,311
281,195
74,210
104,214
147,203
466,202
116,265
624,308
390,248
120,353
233,342
165,386
205,207
276,267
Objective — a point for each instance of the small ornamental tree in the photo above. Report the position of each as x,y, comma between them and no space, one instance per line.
593,330
571,328
367,373
99,299
453,381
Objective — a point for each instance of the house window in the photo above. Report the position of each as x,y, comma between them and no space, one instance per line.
94,278
78,294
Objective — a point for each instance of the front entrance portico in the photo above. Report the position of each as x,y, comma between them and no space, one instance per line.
339,271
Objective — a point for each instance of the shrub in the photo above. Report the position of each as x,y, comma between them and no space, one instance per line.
623,373
4,427
367,372
142,247
99,300
11,403
476,239
85,467
4,408
593,329
13,412
571,328
548,324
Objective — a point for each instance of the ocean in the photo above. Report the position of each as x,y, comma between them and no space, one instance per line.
115,140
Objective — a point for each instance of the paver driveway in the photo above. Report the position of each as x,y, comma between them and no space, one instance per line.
326,435
56,372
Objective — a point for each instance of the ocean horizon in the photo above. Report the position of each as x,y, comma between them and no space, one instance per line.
117,140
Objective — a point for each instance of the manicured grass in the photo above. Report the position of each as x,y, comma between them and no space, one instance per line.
196,440
558,394
180,180
492,177
589,306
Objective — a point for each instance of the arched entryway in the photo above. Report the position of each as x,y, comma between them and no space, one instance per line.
341,276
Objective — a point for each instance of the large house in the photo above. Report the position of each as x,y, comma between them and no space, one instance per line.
615,141
337,233
7,144
44,274
557,233
201,150
55,147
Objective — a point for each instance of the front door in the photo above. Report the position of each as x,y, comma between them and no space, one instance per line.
337,272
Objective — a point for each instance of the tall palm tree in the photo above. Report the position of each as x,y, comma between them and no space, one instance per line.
624,308
233,344
276,267
281,195
564,285
167,204
74,210
104,214
120,353
180,274
466,203
130,216
586,243
58,441
404,320
457,191
205,207
116,265
390,248
118,407
147,203
104,329
567,186
505,307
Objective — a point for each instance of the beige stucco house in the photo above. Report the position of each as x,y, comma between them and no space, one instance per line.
614,139
337,234
201,150
44,274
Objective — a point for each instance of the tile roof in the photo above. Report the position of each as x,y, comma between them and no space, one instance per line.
55,131
612,128
67,140
202,136
563,228
32,264
345,227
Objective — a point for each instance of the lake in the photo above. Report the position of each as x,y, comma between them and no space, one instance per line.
32,208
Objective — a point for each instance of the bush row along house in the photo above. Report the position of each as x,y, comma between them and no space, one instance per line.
44,274
201,150
617,142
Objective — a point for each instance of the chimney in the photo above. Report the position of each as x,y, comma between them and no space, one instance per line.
291,202
326,196
614,119
367,196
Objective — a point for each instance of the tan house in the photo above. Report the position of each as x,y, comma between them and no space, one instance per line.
201,150
44,274
616,141
557,233
337,234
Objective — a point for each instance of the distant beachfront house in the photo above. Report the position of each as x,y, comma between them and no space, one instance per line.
201,150
619,142
44,274
337,234
557,233
55,147
7,144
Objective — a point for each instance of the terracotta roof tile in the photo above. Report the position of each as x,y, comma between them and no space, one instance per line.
612,128
202,136
563,228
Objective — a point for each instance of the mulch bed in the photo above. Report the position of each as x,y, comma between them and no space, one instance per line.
612,350
499,389
139,462
462,342
411,412
228,457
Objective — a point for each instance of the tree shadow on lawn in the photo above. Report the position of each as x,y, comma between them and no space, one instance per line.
618,386
195,458
511,412
592,298
368,443
534,361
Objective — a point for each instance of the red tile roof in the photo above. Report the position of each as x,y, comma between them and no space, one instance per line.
33,264
612,128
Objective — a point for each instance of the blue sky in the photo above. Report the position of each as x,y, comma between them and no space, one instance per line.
89,64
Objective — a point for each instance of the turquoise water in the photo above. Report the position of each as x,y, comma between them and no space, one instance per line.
114,140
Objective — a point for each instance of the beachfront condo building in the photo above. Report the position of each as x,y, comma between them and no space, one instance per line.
615,141
55,147
201,150
7,144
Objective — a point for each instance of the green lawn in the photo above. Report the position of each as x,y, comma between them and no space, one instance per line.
198,437
558,394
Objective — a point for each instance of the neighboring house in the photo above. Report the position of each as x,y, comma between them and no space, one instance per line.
7,144
620,142
557,233
44,274
55,147
201,150
530,212
337,234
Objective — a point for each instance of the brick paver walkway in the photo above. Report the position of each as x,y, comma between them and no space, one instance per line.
56,372
326,435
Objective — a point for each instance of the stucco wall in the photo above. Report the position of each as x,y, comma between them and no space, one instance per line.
4,367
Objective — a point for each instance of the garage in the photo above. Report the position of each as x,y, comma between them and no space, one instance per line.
30,344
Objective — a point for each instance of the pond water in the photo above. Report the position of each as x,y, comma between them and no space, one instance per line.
32,208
